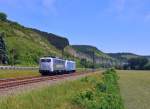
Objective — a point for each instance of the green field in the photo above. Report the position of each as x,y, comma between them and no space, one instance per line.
135,89
18,73
53,97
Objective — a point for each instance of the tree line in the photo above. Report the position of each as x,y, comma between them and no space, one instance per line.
139,63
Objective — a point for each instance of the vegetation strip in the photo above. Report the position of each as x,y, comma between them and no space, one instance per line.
105,94
97,91
53,97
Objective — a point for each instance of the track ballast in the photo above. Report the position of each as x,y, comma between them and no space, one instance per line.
10,83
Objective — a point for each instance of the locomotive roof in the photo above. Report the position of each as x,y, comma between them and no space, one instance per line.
57,58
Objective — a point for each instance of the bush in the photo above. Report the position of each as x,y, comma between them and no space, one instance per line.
138,63
105,95
147,66
101,86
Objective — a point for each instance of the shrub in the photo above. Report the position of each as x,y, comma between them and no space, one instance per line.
101,87
147,66
105,95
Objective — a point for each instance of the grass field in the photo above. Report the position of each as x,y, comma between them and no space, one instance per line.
18,73
54,97
135,89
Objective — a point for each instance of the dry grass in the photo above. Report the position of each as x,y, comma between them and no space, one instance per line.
25,73
135,89
18,73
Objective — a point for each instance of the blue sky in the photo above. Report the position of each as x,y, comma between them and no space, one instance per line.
111,25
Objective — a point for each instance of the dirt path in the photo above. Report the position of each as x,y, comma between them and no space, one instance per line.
135,89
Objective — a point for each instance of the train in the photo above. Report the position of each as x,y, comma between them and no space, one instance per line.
55,65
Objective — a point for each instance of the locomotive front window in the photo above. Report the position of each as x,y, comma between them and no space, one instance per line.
45,60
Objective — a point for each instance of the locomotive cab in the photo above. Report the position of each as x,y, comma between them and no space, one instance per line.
45,65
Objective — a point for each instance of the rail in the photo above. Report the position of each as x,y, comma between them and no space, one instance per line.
9,83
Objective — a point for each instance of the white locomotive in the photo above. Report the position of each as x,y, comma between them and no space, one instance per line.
53,65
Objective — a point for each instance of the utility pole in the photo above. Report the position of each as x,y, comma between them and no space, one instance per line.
62,51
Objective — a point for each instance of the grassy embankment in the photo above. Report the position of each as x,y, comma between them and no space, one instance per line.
28,45
18,73
94,90
135,89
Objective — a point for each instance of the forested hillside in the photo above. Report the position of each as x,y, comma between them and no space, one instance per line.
58,41
24,46
91,54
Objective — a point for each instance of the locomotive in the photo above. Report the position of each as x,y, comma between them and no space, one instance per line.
54,65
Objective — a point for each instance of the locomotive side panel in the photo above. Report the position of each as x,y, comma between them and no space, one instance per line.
70,66
58,65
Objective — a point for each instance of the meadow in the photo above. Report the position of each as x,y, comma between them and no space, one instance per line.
135,89
18,73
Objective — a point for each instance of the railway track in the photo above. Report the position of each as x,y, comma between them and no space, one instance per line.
10,83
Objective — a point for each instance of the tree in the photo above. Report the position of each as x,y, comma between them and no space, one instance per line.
13,56
3,53
147,66
138,63
3,16
83,62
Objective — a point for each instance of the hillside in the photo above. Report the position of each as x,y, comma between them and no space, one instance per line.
87,52
125,56
58,41
25,46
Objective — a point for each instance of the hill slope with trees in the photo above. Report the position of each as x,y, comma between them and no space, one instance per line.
90,54
25,46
